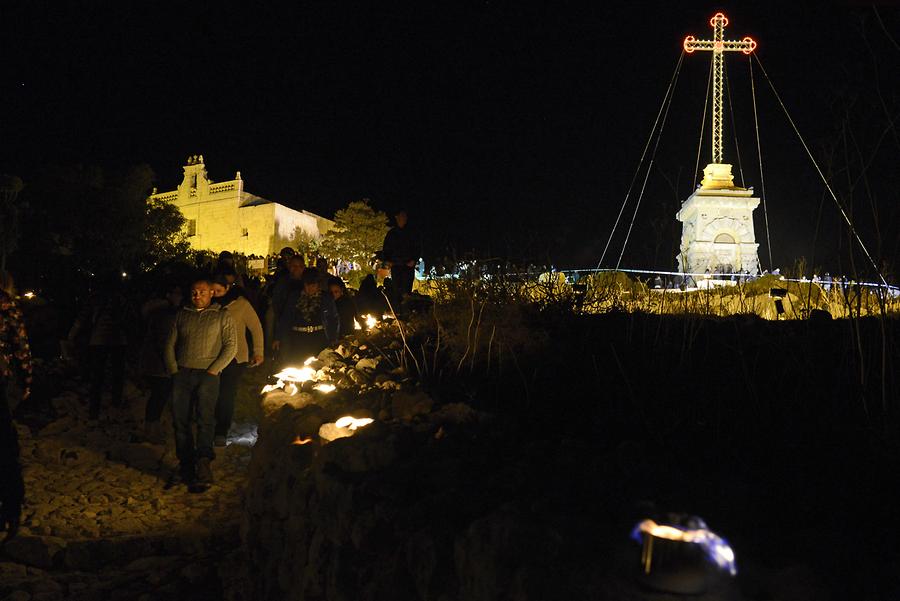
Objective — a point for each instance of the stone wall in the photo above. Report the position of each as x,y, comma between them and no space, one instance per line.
431,501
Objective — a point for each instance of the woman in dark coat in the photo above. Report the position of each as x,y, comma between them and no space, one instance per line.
308,326
346,306
159,315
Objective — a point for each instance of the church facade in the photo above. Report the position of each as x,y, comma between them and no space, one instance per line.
223,216
717,233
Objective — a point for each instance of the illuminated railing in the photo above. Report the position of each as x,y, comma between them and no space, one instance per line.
219,188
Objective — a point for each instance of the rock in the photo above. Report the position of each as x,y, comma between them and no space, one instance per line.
358,377
195,573
276,399
496,553
9,569
329,432
329,357
406,405
154,563
138,456
368,364
37,551
454,413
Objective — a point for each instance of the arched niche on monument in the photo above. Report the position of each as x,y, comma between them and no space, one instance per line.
724,238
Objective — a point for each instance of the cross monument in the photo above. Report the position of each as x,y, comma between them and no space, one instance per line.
717,234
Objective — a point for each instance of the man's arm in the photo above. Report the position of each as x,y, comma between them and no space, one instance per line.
229,345
169,348
256,333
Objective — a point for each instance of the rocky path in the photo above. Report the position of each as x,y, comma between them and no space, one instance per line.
102,519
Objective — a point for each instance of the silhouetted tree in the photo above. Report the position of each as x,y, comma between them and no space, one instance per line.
357,233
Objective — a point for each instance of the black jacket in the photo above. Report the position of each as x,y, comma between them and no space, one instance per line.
398,246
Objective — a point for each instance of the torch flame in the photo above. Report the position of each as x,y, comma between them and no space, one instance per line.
309,360
271,387
352,423
371,322
301,441
297,374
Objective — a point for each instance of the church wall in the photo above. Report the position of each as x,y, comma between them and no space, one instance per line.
221,216
259,221
287,220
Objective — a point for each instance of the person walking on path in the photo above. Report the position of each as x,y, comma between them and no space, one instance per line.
159,315
307,326
284,293
102,321
245,319
400,252
15,368
200,345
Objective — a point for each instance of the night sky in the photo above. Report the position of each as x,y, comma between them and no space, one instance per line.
510,129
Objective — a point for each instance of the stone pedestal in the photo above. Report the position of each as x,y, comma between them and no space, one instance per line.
717,233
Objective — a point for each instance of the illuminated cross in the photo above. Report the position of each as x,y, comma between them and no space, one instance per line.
718,45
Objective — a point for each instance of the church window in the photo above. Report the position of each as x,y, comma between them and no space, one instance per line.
191,227
724,239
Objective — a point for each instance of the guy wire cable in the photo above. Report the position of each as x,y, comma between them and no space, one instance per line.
762,179
822,176
702,125
641,161
637,205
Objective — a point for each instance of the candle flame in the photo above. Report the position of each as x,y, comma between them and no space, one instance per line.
353,423
297,374
324,387
271,387
301,441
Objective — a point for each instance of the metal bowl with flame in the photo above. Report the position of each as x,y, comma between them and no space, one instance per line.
682,556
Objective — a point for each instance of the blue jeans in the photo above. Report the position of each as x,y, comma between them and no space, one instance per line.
187,385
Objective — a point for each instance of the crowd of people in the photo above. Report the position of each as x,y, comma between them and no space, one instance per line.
195,335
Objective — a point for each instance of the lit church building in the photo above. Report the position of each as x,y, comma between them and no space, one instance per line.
222,216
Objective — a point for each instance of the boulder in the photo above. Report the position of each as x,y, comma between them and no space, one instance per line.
329,357
143,456
406,405
36,551
276,399
368,364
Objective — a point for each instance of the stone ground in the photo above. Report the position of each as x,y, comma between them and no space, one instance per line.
102,519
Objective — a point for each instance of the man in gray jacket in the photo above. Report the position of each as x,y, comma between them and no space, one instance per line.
201,343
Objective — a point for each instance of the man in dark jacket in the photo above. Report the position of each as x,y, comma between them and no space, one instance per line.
15,365
400,252
200,345
308,325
